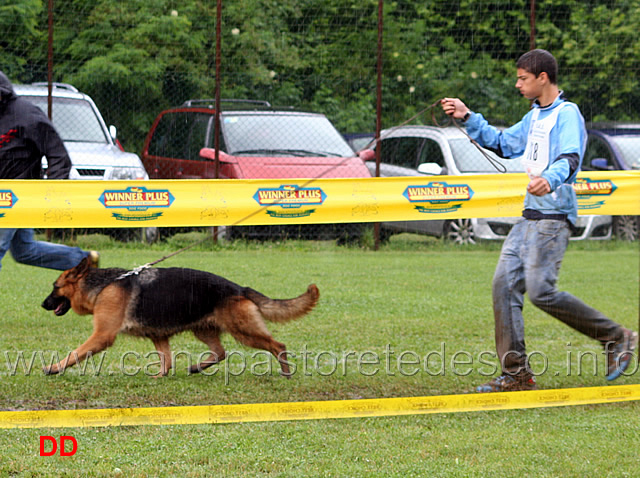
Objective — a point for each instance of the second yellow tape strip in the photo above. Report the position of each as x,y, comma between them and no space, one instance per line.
317,410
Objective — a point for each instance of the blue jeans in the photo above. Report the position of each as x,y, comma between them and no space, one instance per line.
529,262
26,250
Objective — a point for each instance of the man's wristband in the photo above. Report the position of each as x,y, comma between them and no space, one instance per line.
466,116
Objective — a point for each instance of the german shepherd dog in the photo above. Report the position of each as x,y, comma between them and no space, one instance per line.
159,303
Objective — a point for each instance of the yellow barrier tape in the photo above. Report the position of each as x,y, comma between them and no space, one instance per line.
66,204
191,415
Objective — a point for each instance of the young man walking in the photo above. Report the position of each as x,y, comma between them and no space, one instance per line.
551,139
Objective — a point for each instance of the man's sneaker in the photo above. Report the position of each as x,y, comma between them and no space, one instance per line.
94,259
620,354
509,383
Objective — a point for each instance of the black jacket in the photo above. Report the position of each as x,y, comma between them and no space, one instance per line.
26,135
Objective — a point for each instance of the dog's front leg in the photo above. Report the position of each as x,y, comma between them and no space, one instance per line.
106,325
164,352
94,344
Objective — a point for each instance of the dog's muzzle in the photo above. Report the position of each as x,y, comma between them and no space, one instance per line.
59,305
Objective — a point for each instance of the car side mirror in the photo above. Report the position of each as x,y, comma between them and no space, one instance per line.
210,154
600,163
367,155
432,169
113,132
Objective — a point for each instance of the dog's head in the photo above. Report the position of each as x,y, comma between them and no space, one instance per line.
64,288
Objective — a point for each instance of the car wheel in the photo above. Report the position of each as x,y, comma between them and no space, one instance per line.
460,231
626,228
151,234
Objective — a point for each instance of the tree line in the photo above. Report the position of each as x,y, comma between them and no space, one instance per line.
137,57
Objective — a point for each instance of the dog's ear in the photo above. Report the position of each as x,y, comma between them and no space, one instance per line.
80,270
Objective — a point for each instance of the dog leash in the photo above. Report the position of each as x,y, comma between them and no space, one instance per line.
148,265
501,168
496,164
418,114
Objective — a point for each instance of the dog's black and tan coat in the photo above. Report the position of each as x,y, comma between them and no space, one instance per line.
158,303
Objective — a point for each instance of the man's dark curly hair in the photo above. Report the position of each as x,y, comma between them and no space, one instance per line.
538,61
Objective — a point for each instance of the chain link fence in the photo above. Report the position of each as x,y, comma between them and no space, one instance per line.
304,86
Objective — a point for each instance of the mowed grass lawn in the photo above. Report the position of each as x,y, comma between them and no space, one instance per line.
413,319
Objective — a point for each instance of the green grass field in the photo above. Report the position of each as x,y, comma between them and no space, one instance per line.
414,299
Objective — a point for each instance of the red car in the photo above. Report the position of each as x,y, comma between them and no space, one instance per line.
256,142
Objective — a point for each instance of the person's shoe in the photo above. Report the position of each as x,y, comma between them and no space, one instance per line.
509,383
620,354
94,259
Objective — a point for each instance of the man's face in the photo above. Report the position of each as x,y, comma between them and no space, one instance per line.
530,85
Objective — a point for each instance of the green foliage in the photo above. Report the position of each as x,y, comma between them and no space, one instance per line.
20,32
601,48
137,57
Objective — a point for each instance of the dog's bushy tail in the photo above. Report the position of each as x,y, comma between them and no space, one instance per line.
284,310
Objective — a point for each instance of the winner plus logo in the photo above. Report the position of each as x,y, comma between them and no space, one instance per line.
438,197
7,200
592,194
288,197
136,200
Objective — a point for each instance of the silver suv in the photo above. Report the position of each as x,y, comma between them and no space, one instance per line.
428,152
94,150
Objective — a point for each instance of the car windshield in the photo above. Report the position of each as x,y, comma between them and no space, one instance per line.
283,135
629,147
470,160
74,119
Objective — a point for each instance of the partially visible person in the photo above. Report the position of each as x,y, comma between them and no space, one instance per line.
26,135
551,139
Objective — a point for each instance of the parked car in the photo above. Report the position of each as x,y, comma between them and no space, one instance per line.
256,142
93,147
94,150
613,147
432,151
360,141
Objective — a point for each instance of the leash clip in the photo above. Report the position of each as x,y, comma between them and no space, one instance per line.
135,271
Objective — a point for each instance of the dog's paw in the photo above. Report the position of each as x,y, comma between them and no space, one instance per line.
53,370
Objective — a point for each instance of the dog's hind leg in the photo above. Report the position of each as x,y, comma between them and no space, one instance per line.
243,320
217,355
266,342
164,352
